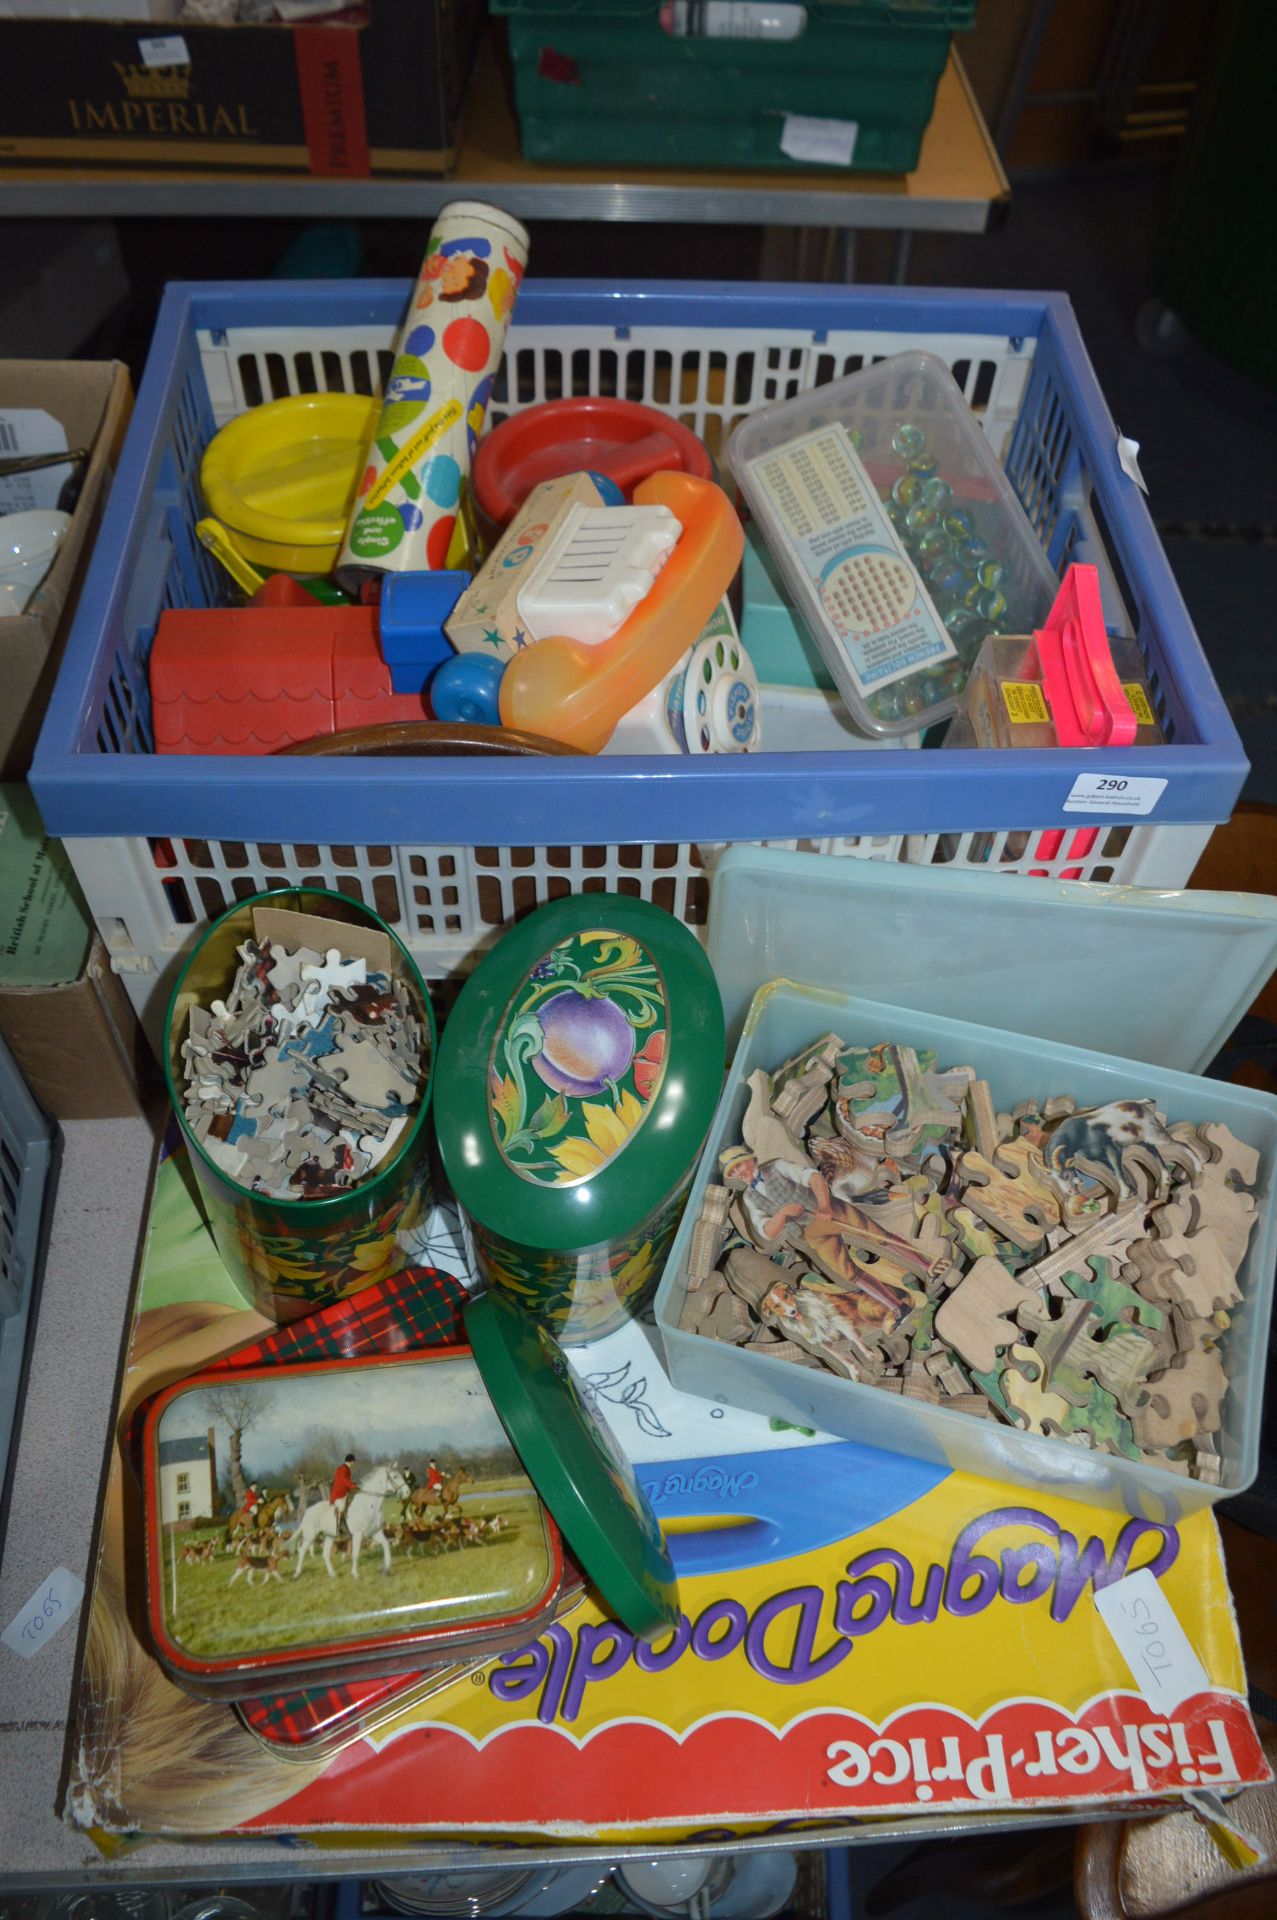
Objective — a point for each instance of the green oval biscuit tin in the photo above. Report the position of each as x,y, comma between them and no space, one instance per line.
577,1077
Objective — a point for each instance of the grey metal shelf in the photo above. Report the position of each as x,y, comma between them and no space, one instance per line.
956,184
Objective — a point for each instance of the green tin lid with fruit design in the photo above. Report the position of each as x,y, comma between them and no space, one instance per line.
579,1071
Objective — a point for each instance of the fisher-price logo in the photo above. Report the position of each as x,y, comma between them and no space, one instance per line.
1028,1760
802,1633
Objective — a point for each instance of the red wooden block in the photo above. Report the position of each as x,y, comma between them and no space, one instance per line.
233,680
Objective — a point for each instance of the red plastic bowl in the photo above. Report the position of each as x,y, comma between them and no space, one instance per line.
619,438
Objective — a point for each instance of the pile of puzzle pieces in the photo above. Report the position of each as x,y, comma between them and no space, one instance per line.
301,1081
1070,1272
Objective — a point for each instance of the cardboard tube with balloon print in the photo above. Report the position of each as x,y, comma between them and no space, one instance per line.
446,359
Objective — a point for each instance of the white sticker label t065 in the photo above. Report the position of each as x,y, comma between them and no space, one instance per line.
50,1607
1113,793
1151,1640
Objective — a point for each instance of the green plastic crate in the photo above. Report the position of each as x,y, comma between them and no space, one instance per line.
600,83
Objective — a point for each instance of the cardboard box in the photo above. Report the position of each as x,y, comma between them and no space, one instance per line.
380,91
65,1015
93,400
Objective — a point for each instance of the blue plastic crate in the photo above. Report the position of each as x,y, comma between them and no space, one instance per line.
709,353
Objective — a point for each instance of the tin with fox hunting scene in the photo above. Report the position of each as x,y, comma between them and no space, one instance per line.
386,1515
298,1052
579,1072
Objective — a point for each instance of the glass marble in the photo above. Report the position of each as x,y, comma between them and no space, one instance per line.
991,573
933,546
992,604
973,552
947,576
925,465
907,490
920,519
958,524
937,492
908,441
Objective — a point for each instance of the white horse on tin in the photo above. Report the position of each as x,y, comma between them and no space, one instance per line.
363,1520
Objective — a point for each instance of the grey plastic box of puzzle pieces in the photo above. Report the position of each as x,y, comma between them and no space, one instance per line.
761,924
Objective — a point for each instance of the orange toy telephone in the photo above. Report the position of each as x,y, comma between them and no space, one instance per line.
577,693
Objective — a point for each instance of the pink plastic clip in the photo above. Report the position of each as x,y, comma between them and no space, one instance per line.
1072,658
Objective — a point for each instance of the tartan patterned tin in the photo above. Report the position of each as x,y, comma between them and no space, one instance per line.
471,1574
419,1307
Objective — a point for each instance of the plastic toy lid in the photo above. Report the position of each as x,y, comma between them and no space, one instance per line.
287,471
619,439
583,1062
574,1463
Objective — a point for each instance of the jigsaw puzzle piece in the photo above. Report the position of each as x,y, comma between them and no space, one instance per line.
1005,1203
976,1318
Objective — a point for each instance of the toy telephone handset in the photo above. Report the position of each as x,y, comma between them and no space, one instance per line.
576,692
1072,657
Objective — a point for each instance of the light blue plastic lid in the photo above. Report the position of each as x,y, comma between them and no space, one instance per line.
1138,971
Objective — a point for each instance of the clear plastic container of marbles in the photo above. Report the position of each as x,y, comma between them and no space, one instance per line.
897,534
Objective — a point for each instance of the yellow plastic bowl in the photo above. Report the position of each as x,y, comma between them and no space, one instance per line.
282,477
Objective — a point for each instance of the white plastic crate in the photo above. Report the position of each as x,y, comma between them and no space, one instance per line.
150,897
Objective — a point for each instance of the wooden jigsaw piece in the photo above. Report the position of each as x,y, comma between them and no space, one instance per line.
1021,1161
861,1229
751,1274
1115,1302
977,1240
1183,1401
982,1124
1191,1269
1100,1422
729,1319
976,1317
1109,1237
1074,1354
766,1136
1031,1401
1004,1203
823,1318
707,1236
1221,1202
892,1099
1097,1139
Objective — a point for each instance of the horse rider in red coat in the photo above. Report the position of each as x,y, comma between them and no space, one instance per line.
342,1487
